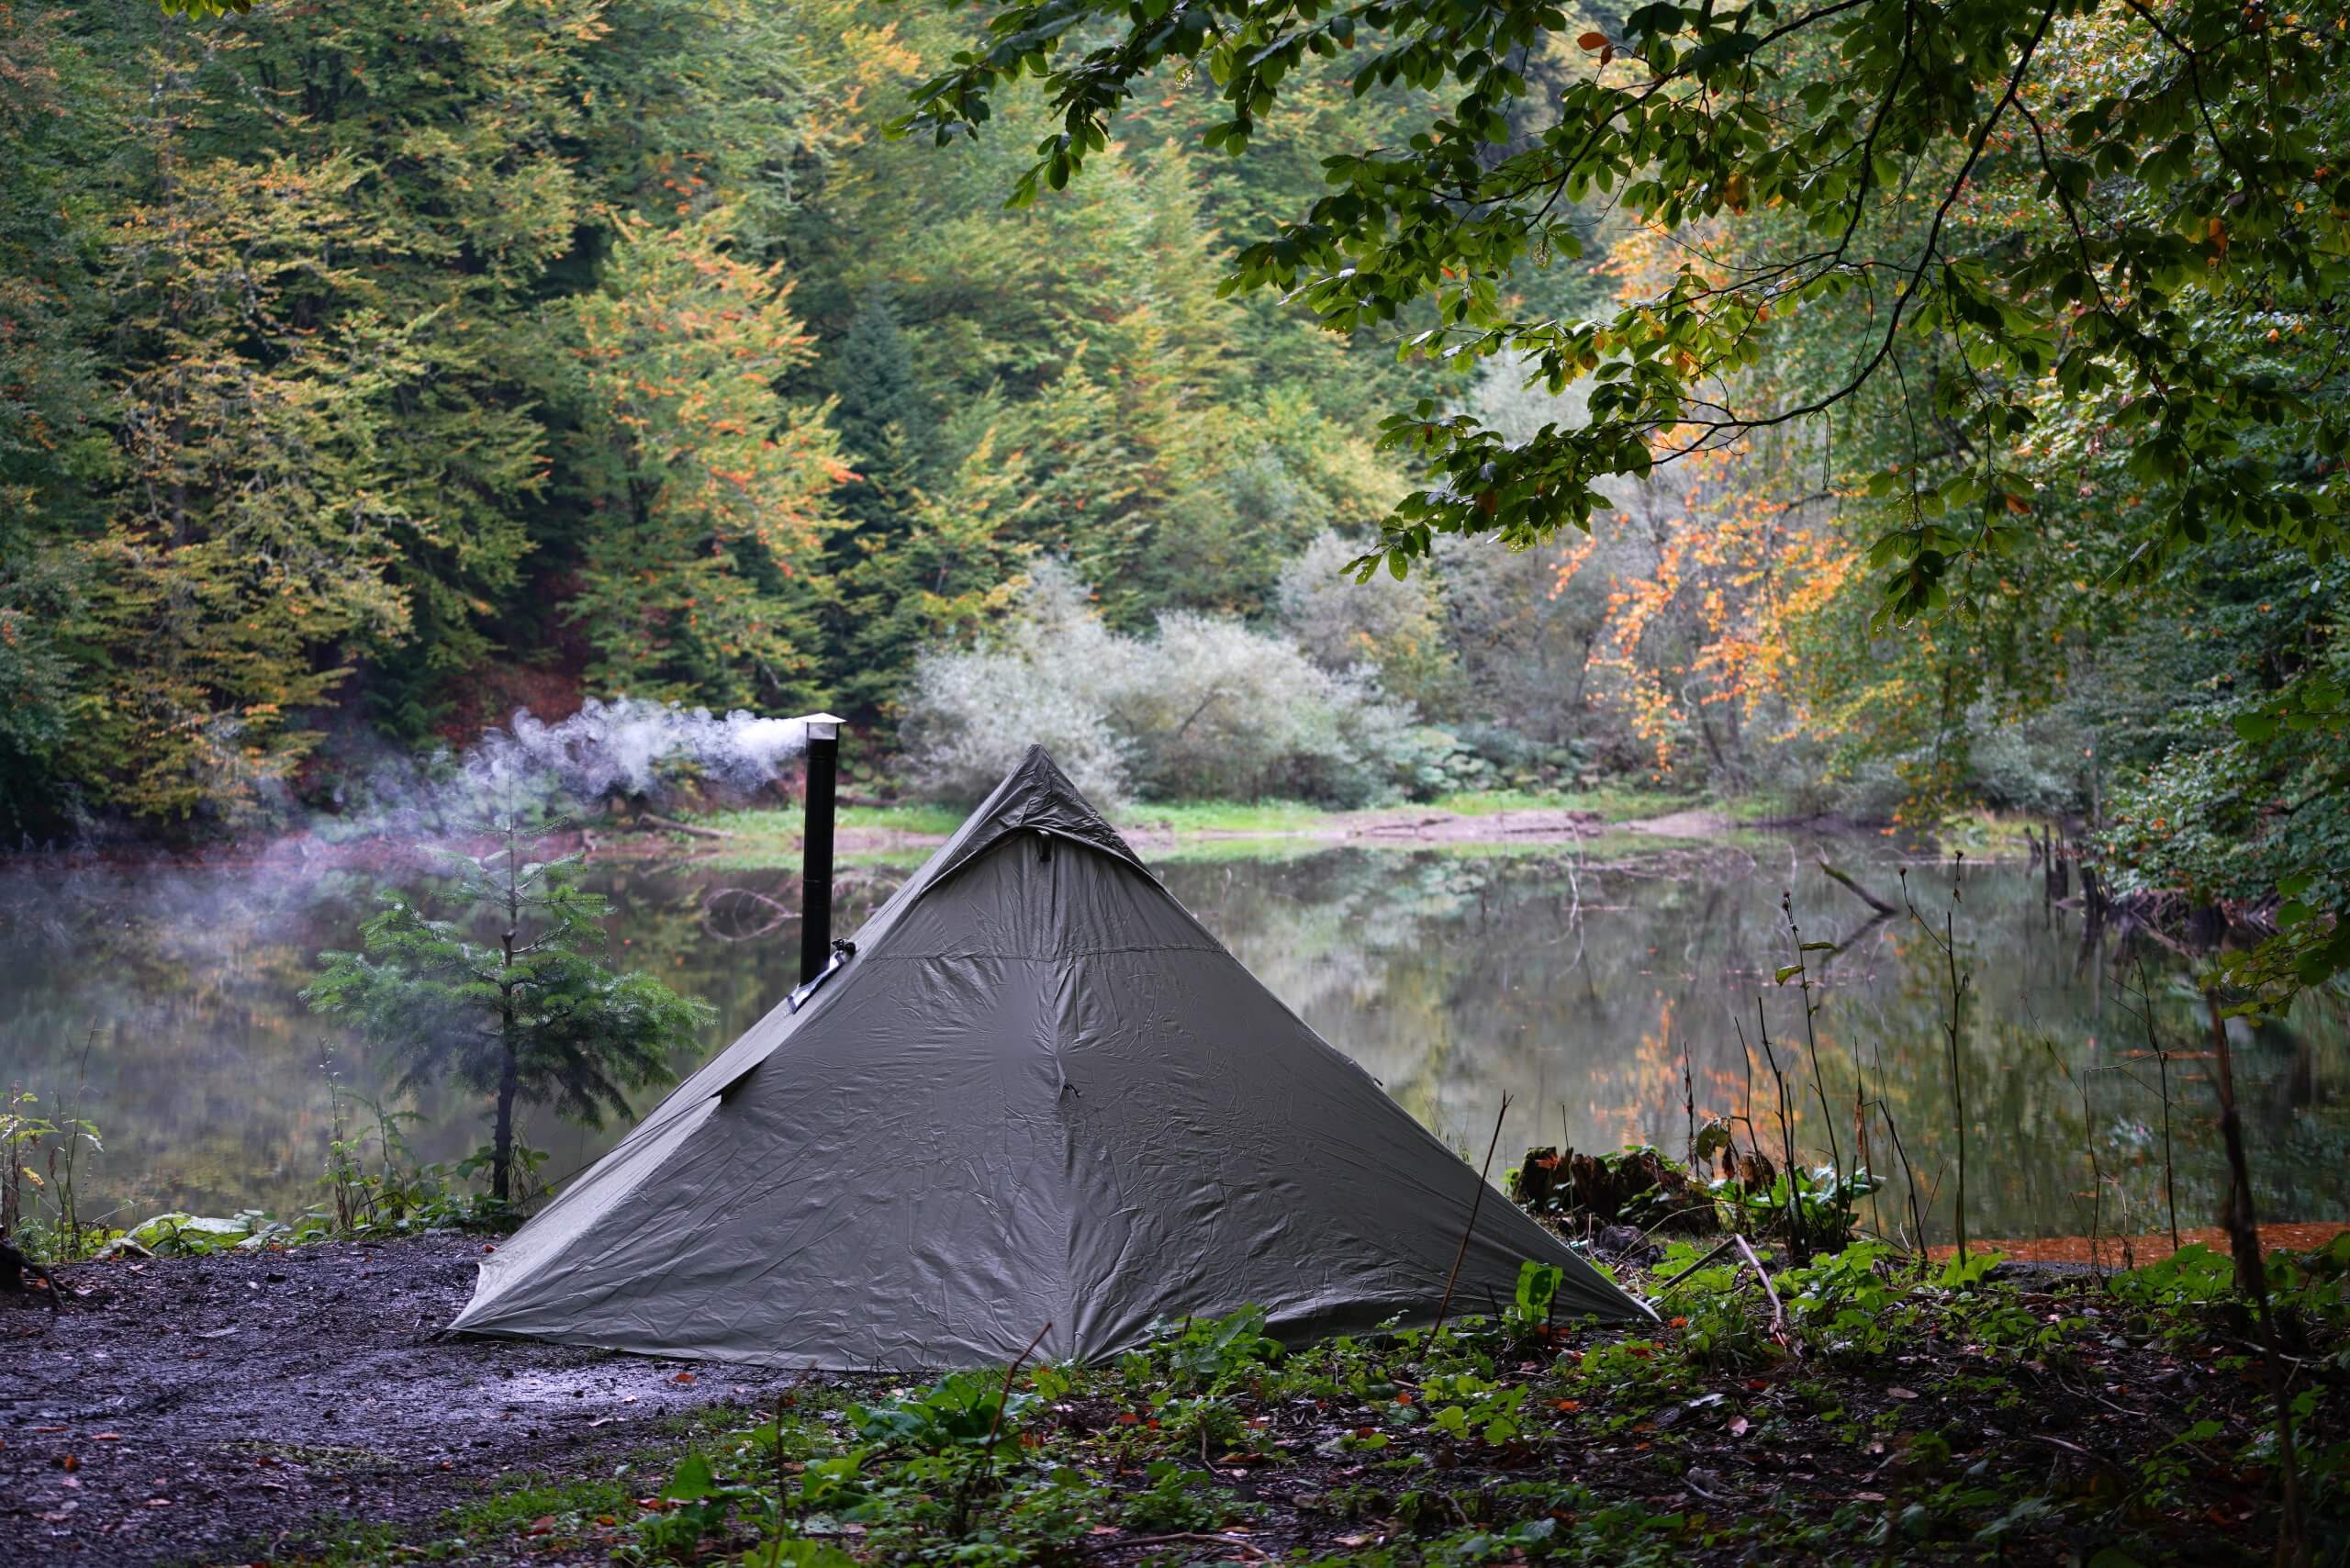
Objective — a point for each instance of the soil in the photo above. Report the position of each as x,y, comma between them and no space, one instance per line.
221,1408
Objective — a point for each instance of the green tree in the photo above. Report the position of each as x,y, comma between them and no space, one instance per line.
2206,172
952,571
2041,293
710,493
54,457
529,1015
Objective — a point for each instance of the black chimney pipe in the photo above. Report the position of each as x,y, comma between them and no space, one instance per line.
816,847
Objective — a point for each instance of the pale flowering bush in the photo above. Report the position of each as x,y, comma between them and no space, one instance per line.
1204,707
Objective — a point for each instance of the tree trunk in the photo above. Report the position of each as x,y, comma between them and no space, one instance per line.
502,1140
2252,1279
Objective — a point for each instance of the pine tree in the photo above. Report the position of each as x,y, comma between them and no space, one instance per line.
532,1016
954,570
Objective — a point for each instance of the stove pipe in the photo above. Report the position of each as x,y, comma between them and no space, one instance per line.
816,847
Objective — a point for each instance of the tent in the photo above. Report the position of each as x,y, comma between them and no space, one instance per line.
1037,1093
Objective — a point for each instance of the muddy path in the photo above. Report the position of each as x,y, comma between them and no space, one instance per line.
218,1409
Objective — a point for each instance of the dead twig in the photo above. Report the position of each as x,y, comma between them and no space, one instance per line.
1254,1554
986,1466
2252,1279
1778,1311
1664,1285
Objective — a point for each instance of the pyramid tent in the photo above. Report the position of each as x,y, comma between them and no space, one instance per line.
1038,1093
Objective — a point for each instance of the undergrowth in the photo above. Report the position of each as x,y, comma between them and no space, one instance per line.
1879,1409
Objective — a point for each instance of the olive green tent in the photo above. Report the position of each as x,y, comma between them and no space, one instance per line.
1038,1093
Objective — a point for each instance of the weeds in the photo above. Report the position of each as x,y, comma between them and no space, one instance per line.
1952,1417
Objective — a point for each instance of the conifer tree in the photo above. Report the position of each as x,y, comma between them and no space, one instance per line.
533,1015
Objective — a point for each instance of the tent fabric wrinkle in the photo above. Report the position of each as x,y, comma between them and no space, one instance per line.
1040,1091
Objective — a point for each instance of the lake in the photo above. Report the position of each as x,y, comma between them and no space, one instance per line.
1582,980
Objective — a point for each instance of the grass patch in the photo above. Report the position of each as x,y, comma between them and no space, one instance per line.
1219,830
556,1511
1226,816
1615,802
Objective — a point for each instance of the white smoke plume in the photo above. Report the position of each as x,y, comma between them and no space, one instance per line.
624,746
621,745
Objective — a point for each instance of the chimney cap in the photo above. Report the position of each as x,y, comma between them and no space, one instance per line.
823,726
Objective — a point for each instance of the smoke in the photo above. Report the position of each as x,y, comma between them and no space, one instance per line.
624,746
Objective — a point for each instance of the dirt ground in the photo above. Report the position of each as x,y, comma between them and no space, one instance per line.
213,1410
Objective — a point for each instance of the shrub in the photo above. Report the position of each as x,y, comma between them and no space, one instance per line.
1396,628
1203,707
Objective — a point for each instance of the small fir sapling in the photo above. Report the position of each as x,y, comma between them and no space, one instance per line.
527,1012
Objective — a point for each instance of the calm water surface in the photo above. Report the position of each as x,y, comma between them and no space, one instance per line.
167,1001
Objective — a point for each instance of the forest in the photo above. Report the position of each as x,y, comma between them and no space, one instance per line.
1593,802
369,376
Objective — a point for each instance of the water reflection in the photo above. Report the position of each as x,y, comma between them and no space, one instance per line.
169,997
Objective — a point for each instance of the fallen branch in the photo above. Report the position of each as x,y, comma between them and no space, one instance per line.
1665,1285
689,829
1778,1312
1242,1547
1858,891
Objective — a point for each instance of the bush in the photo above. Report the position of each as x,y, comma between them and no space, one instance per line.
1396,628
1203,707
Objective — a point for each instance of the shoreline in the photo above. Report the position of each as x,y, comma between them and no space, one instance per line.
771,834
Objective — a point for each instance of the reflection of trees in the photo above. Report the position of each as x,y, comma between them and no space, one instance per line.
1453,979
1450,977
204,1068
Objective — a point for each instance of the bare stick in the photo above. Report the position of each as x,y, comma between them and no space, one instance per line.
1796,1237
783,1484
1242,1547
1010,1372
1778,1312
995,1426
1476,1203
1689,1105
1811,1038
1664,1285
2162,1059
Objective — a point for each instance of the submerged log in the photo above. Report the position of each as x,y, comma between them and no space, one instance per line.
672,826
1858,891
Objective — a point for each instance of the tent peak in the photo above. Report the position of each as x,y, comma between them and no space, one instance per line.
1035,796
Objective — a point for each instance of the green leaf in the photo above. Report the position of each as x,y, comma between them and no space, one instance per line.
692,1482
